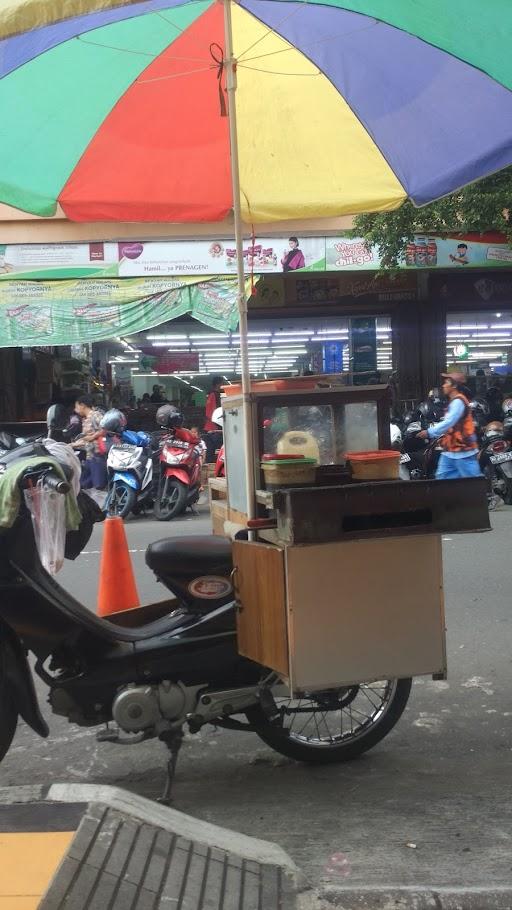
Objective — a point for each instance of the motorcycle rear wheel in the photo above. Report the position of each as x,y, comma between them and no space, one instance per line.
341,725
121,500
171,500
8,722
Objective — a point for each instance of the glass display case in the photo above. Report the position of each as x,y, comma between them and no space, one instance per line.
321,423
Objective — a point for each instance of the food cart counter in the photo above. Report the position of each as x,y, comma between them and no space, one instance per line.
343,581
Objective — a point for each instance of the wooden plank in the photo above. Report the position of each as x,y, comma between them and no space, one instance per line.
219,514
260,585
365,609
217,488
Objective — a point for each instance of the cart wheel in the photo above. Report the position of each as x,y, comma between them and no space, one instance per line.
332,726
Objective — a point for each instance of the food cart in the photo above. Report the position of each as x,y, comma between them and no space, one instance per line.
342,581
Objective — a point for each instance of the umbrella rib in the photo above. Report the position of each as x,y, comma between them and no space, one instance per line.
256,69
201,69
285,50
112,47
270,31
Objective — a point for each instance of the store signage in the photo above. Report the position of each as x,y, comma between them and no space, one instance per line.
174,362
379,288
363,336
261,255
333,356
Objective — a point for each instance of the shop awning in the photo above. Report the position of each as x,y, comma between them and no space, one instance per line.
71,312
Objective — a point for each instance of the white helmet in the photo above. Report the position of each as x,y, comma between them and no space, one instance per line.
218,417
396,436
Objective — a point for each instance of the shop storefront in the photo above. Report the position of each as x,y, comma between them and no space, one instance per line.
165,313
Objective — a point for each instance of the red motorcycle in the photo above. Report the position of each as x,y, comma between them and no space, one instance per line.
181,458
220,464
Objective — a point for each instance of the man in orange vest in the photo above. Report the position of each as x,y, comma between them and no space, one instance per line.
456,432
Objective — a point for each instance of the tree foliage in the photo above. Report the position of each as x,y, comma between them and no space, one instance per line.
477,208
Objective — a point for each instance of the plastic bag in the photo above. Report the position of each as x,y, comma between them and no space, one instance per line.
48,511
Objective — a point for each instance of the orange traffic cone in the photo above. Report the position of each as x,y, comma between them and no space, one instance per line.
117,589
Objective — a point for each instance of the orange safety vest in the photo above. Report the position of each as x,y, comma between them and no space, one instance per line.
462,436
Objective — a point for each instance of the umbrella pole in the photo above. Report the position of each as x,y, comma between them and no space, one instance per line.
230,67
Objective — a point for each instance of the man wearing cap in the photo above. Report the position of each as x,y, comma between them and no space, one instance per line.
457,433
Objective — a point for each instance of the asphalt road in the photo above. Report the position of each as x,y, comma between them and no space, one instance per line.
429,805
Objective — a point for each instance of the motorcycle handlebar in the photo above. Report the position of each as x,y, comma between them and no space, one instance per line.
56,484
50,480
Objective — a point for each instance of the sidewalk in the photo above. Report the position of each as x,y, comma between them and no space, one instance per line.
101,848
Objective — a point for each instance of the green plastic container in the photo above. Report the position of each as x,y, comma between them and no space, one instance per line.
289,472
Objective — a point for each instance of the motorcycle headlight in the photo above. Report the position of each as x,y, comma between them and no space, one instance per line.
174,458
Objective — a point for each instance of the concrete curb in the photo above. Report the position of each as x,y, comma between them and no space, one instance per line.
414,898
128,849
250,848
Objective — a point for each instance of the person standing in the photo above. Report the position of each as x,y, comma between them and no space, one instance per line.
456,432
156,395
94,469
212,430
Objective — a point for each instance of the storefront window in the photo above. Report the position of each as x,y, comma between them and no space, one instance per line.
480,343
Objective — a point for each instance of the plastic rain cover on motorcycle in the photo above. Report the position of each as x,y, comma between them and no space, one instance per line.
48,511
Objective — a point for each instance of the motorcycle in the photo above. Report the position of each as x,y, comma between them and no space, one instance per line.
130,474
419,457
495,458
131,461
158,676
181,459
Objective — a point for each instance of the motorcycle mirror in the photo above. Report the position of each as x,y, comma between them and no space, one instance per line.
56,417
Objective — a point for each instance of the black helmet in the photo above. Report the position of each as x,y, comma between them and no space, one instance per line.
168,416
113,421
480,409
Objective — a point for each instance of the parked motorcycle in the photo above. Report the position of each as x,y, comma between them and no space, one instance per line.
130,463
156,677
495,458
181,458
419,456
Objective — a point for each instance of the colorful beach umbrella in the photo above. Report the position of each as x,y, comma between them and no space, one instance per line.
117,111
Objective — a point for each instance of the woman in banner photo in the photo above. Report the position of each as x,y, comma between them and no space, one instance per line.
294,257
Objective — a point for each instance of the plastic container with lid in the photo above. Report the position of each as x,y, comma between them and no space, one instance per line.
383,464
288,472
275,385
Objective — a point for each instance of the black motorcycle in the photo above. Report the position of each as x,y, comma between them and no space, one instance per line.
154,670
419,456
495,458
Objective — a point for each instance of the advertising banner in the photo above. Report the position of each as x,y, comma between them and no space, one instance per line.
219,256
425,251
71,312
262,256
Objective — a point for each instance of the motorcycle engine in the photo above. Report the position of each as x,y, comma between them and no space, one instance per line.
137,708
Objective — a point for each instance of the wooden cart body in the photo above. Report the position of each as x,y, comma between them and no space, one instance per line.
347,586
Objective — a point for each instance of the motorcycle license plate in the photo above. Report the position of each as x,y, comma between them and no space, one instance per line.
178,444
499,459
125,447
404,458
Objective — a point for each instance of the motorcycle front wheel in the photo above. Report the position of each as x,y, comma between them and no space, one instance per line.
121,500
171,500
331,726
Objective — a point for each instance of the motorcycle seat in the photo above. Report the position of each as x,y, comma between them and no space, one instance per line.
185,557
